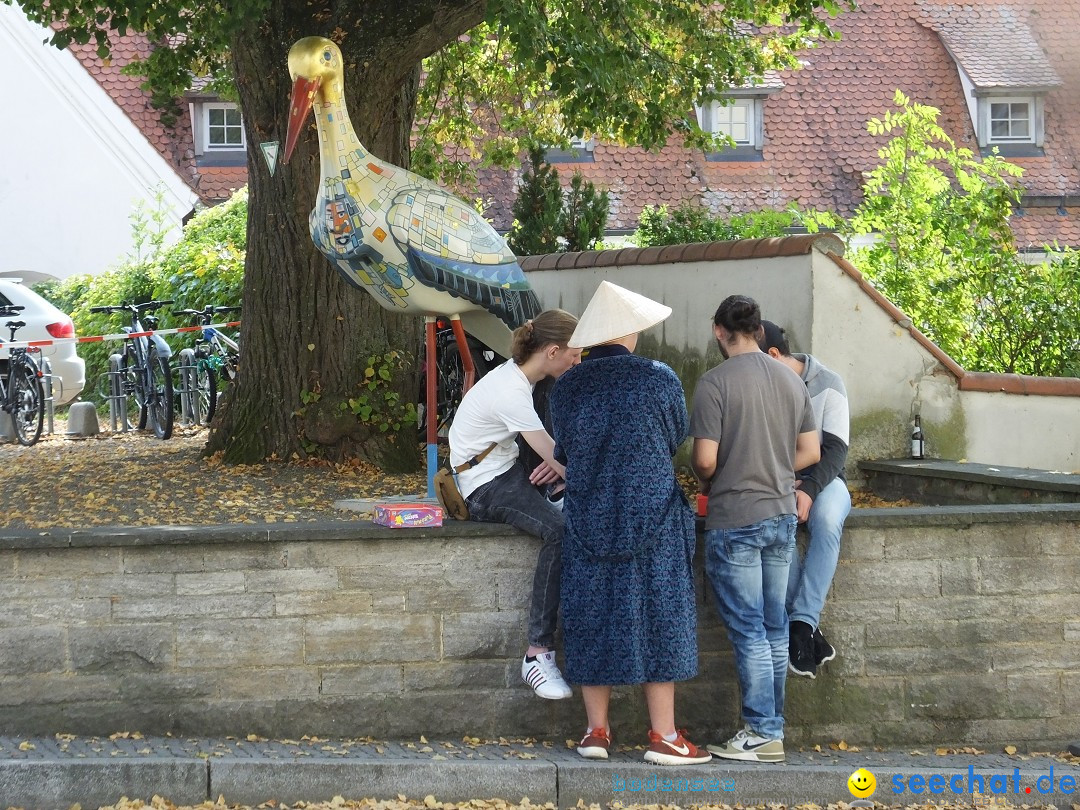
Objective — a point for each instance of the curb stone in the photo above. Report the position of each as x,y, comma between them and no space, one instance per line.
47,773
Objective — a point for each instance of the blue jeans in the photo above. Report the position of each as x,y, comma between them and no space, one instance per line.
748,570
811,576
510,498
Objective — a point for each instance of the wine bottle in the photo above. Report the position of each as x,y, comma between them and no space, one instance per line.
918,441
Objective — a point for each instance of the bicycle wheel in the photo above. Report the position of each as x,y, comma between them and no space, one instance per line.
205,394
159,399
134,385
28,402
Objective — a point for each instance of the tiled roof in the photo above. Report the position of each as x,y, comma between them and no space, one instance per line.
1036,227
816,145
175,144
217,183
816,148
993,44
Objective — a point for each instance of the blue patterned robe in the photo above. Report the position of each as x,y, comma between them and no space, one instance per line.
627,585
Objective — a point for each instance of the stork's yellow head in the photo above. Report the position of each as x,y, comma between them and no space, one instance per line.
314,63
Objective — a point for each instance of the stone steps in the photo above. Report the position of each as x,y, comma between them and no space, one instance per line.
953,483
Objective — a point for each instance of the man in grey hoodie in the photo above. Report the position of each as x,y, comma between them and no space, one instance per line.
823,503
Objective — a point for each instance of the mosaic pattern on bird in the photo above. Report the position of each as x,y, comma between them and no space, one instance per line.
399,236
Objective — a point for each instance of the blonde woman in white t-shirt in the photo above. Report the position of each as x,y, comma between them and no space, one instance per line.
499,489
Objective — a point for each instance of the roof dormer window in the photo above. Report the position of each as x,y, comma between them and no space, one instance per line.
224,126
739,115
1012,124
1010,120
580,150
738,120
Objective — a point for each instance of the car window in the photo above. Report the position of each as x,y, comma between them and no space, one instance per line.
4,300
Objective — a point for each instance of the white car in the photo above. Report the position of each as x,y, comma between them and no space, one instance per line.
44,322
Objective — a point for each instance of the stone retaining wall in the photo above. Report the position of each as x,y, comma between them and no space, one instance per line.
952,624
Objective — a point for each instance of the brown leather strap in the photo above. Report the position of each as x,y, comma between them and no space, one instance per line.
472,462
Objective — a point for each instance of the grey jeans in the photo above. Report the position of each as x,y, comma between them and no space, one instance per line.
510,498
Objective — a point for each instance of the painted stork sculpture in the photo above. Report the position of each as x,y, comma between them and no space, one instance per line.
399,236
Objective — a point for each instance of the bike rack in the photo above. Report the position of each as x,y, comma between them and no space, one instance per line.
189,387
47,389
116,397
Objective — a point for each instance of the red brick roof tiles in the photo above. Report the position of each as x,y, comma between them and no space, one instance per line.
176,143
816,147
1036,227
217,183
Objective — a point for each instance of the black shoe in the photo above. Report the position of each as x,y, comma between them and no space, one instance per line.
823,650
801,650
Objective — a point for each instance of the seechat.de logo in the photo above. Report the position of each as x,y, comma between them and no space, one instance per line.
862,785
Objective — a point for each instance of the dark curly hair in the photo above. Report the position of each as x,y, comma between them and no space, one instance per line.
739,314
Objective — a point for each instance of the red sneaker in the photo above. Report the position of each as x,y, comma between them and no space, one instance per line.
595,744
680,751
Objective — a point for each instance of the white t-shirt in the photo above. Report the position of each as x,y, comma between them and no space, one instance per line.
496,409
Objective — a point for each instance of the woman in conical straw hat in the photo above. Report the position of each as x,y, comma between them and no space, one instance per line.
627,586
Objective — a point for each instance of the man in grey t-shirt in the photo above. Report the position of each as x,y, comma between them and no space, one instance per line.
753,426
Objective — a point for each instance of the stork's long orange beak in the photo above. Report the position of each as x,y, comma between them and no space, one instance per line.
303,94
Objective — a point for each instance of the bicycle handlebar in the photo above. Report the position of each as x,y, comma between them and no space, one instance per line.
147,306
207,311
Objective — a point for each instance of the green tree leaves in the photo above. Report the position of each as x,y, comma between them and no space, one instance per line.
947,257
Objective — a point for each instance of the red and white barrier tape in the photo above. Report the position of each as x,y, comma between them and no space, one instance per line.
26,344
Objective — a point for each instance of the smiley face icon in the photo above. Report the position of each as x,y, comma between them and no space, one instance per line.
862,784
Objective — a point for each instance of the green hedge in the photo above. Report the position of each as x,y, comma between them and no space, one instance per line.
205,267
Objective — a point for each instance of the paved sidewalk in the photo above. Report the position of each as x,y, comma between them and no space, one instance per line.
54,773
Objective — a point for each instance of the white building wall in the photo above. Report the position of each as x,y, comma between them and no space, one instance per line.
73,164
1020,430
693,290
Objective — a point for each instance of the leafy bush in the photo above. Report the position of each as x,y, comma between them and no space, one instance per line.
205,267
695,223
947,256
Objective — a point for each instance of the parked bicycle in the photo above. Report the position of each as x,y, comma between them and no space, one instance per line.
144,371
21,392
217,357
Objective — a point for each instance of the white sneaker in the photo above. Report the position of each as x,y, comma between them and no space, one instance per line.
543,675
749,746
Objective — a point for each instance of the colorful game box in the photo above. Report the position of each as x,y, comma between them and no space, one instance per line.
404,515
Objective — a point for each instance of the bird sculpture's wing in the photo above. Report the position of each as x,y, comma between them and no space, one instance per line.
451,247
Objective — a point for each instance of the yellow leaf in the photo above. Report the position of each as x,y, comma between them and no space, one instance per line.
423,739
26,746
843,746
941,751
311,347
1010,749
429,801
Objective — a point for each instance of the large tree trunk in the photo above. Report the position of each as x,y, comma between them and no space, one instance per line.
307,334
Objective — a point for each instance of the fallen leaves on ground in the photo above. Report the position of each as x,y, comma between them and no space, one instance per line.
860,498
134,479
864,499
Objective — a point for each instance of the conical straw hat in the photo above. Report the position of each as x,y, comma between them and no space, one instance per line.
615,312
